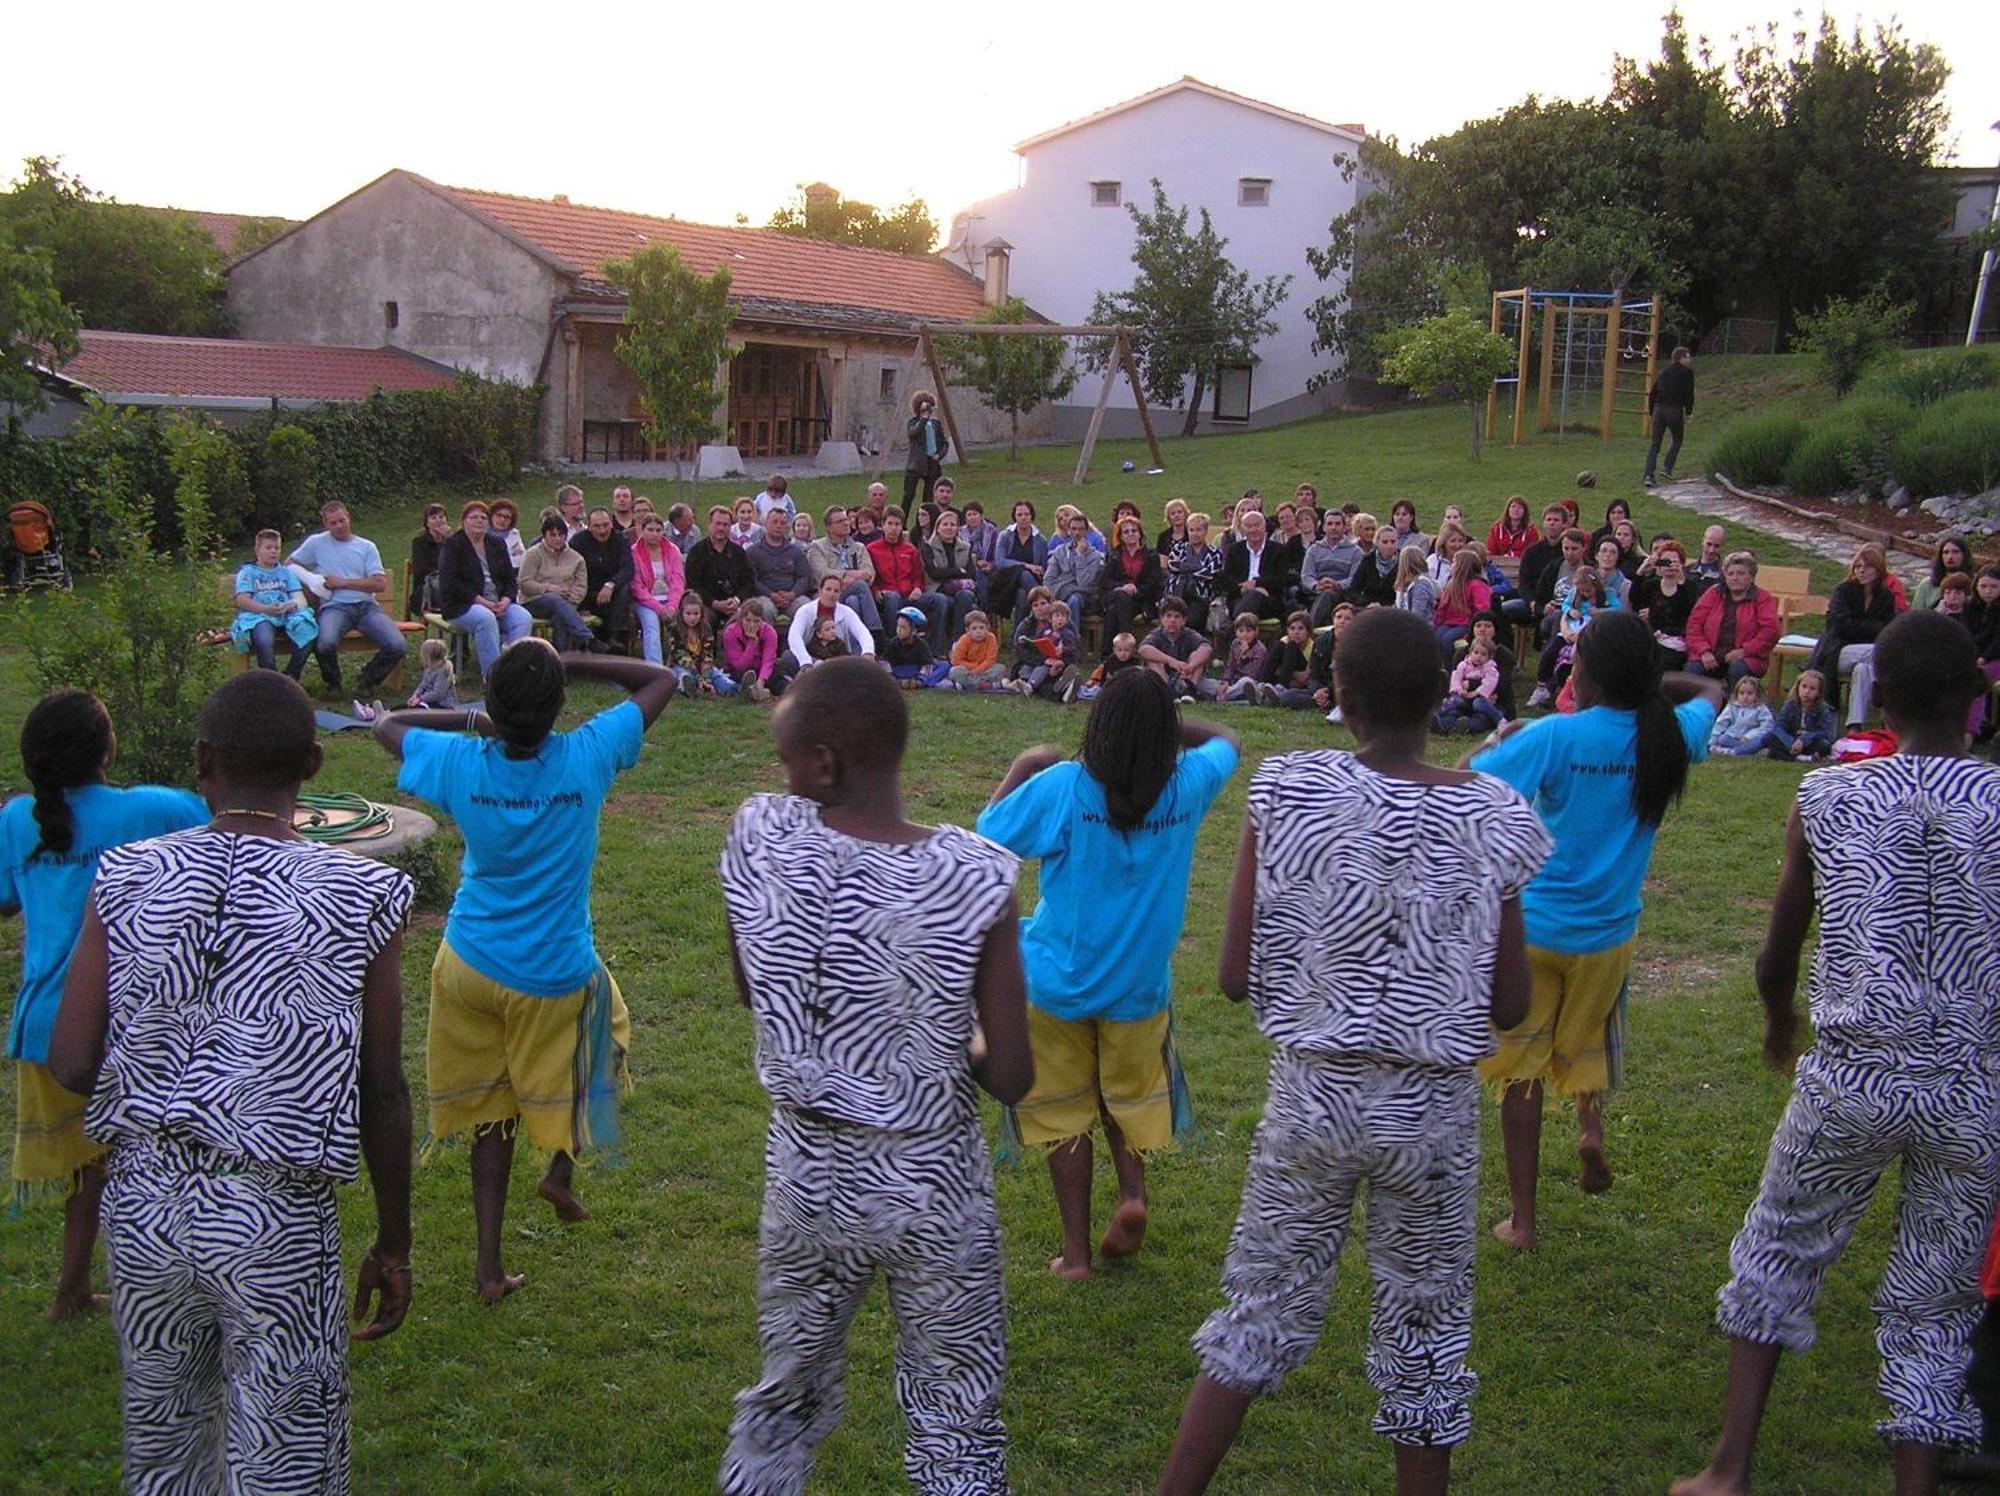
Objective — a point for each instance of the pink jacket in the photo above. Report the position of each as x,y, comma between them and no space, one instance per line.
642,578
740,654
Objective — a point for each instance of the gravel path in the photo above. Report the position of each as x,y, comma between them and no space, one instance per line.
1699,496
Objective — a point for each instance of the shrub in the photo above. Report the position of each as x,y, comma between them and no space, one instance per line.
209,468
134,637
1844,336
1953,446
1848,446
1755,449
285,480
1921,379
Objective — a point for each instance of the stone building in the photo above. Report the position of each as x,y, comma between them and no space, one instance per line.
823,349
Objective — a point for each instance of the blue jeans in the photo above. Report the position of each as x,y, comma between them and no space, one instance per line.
724,684
264,645
862,601
1461,715
487,629
570,630
337,620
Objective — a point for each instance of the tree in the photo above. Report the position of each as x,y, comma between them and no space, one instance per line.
1844,337
1190,310
676,322
820,212
255,232
1456,352
121,268
36,325
1013,374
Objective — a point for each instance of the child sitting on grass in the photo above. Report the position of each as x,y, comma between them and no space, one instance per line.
1805,727
906,653
875,1162
825,643
1243,670
1287,679
1054,675
1372,1083
750,652
1893,855
691,651
1124,656
1486,629
1034,623
1744,724
438,686
975,658
1469,704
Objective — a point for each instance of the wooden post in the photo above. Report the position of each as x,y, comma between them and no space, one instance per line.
1096,425
1139,396
1493,390
1521,368
1548,367
1652,367
943,399
1607,401
573,393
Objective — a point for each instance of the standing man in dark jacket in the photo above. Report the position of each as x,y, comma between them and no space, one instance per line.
928,446
1670,402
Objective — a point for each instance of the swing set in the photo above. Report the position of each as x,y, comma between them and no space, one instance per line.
1596,350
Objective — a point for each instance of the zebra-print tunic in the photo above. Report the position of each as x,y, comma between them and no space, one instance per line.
230,1095
860,959
1905,1067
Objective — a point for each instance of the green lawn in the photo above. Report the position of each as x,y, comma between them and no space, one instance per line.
614,1371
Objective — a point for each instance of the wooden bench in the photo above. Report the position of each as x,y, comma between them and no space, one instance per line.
351,643
1791,588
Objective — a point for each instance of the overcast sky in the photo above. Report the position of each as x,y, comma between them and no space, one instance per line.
705,111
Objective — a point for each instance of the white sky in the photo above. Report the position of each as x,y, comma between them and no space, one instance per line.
704,111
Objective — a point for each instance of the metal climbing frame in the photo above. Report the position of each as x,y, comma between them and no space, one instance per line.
1592,344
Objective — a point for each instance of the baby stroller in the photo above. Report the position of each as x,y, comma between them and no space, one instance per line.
35,557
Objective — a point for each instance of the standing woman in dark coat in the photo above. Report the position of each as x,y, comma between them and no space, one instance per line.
1860,608
928,446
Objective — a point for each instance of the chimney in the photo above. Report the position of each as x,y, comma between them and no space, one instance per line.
997,254
818,194
561,197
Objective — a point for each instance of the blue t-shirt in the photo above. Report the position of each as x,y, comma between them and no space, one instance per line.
352,557
1086,957
522,915
50,892
1577,773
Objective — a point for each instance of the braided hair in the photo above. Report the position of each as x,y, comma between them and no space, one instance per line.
1131,745
65,743
524,694
1623,661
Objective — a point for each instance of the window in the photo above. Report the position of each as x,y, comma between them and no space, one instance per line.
1104,195
889,386
390,315
1232,393
1253,192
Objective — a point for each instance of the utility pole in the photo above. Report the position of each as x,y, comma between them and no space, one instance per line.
1985,268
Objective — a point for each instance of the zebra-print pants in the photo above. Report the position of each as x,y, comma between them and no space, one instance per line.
226,1292
1846,1121
840,1205
1332,1123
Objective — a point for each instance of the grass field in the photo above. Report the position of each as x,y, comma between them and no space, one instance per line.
614,1370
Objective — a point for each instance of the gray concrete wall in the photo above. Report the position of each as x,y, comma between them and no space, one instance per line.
859,401
465,296
1071,421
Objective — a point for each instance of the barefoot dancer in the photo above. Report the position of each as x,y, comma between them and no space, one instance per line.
50,843
1602,780
1372,1081
527,1029
1897,853
865,1004
1121,824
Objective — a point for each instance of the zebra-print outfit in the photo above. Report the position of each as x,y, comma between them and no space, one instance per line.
862,992
1905,995
1372,1080
230,1095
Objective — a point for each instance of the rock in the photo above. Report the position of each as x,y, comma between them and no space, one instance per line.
718,462
837,457
1943,506
1900,498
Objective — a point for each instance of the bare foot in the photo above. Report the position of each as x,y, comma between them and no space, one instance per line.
1073,1272
1708,1483
494,1292
1127,1231
563,1199
1596,1175
70,1305
1513,1235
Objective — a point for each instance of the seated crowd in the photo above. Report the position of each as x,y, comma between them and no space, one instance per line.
1232,608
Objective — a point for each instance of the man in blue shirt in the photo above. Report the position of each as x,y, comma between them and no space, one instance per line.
350,571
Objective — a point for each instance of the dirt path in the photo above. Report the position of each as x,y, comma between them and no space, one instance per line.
1699,496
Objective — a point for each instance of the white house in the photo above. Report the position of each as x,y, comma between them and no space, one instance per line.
1270,182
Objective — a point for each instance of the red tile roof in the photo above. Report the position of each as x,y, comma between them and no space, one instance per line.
763,265
222,227
130,363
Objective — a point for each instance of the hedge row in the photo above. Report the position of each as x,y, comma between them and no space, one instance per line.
277,469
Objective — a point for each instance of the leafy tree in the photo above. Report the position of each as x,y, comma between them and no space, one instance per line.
1457,352
36,326
1844,337
1013,374
818,212
256,232
1189,309
676,322
123,268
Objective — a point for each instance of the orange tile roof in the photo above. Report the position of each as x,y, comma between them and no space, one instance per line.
131,363
222,227
763,265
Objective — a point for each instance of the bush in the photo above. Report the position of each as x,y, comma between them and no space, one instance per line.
1844,337
1953,446
1922,379
1755,449
135,637
1848,446
285,480
209,468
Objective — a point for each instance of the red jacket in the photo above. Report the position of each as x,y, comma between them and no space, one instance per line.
1502,542
898,568
1756,625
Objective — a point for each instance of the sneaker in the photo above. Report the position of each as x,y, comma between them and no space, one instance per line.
1267,693
686,687
1069,689
363,712
758,690
1021,685
746,684
1542,696
1335,717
